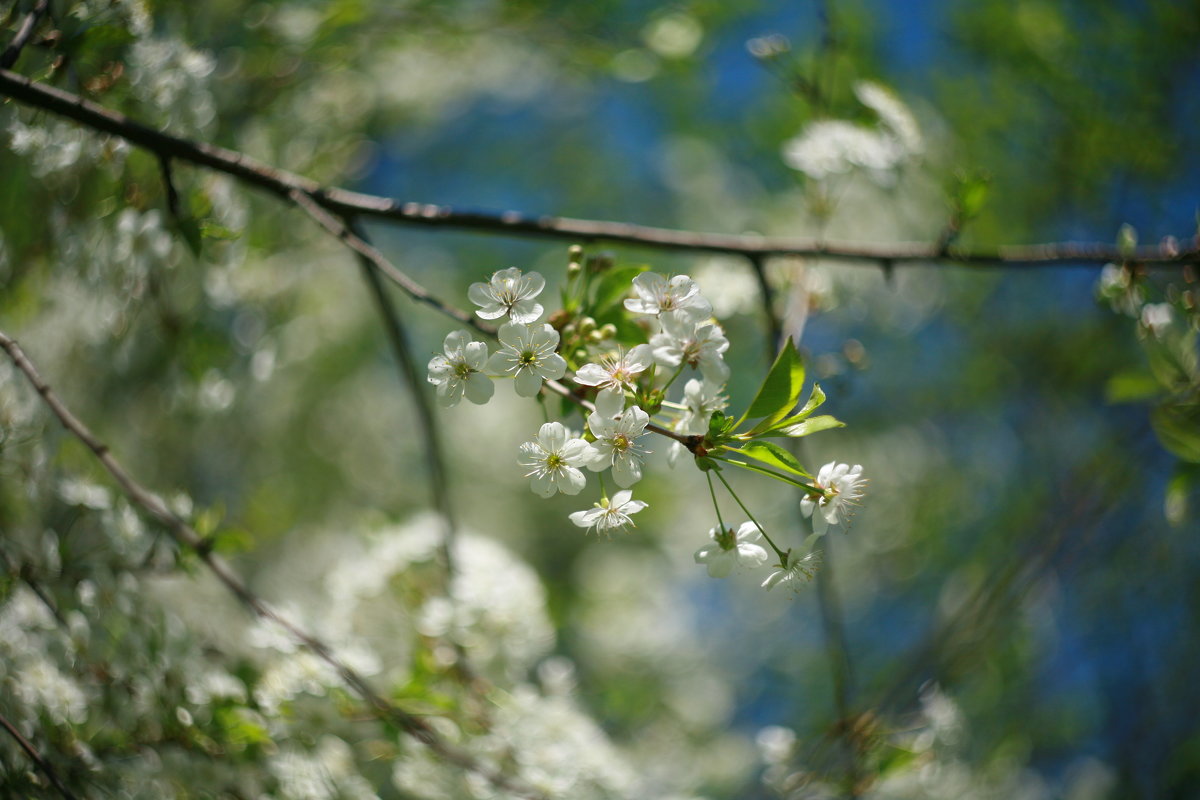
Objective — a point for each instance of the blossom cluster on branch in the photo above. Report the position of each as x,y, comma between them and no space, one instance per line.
625,337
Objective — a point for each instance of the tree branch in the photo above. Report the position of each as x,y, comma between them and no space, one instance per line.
187,536
511,223
11,53
36,757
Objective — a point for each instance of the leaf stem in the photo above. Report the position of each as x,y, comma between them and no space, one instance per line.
782,555
712,492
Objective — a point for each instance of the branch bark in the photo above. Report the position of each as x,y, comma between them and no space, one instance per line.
512,223
28,25
36,758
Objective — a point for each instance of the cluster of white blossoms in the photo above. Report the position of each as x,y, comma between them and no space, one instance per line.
655,328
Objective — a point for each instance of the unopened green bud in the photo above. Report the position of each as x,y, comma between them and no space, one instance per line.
587,325
607,331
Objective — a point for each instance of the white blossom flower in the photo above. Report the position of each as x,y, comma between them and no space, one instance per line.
842,486
685,340
656,294
616,439
509,292
609,515
1156,317
527,355
730,549
701,399
799,569
460,371
551,461
616,373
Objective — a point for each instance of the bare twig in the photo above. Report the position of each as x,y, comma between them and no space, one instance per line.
164,165
28,25
512,223
338,228
36,758
187,536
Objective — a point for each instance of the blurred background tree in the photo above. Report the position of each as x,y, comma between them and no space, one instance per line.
1012,613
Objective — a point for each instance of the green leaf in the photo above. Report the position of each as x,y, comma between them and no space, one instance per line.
210,230
812,425
815,399
773,454
1131,386
780,390
615,285
1178,428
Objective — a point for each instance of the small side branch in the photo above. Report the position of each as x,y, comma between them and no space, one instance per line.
28,25
37,759
187,537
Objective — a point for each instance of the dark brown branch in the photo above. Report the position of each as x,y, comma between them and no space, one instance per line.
187,536
36,758
28,25
511,223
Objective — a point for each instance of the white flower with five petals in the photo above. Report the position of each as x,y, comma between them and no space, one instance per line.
798,569
656,295
460,371
616,438
842,487
730,549
552,459
527,355
509,292
609,515
615,373
685,340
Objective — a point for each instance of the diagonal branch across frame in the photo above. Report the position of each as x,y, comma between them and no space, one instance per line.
187,537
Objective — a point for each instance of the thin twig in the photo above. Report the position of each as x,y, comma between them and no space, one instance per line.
187,536
11,53
36,757
429,426
828,603
164,165
513,223
339,229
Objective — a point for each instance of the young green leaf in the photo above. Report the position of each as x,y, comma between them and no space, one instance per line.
811,425
615,284
815,399
780,390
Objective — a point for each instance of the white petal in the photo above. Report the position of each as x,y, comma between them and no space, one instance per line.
479,388
569,480
476,355
552,367
751,554
450,392
708,551
591,375
439,369
633,506
532,284
552,436
455,341
576,452
525,311
481,295
609,404
627,470
543,485
528,383
639,358
512,335
621,498
502,362
748,532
